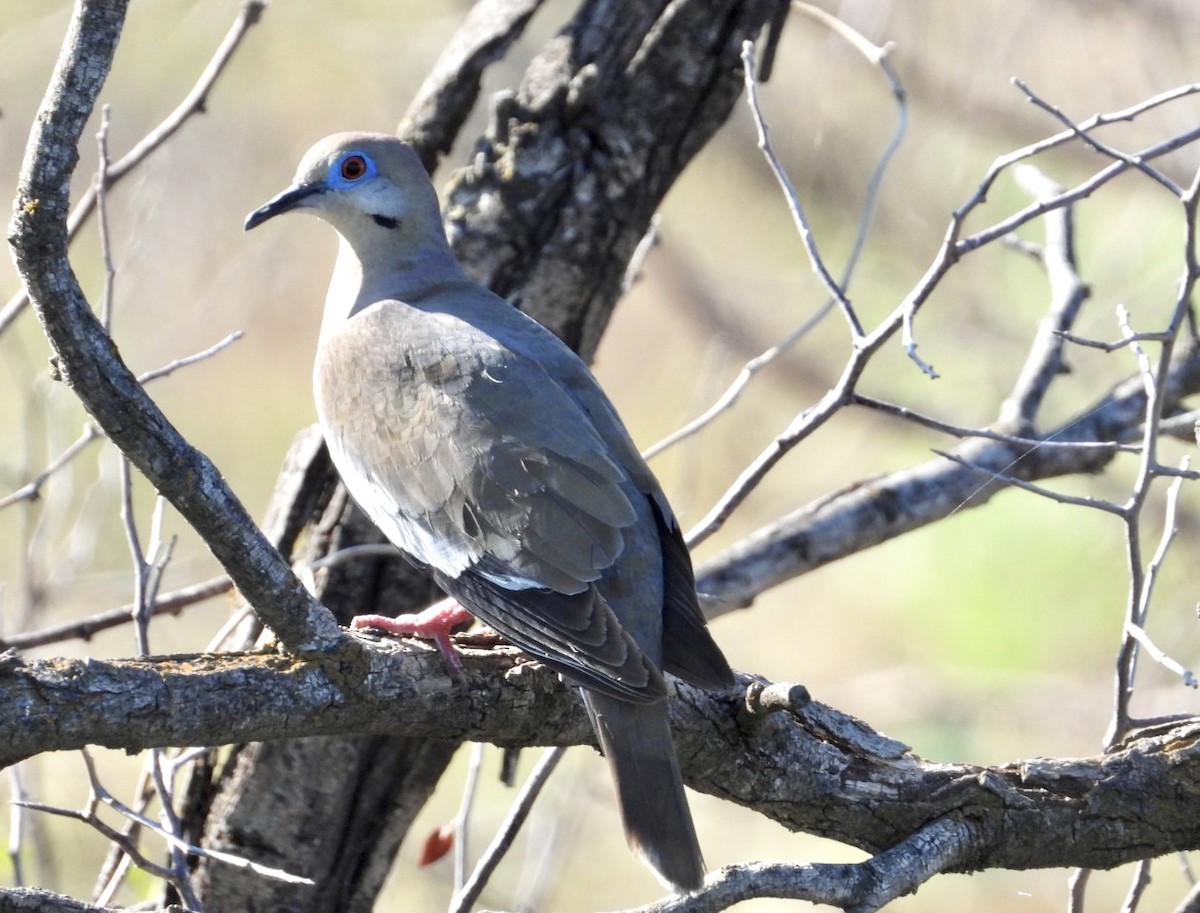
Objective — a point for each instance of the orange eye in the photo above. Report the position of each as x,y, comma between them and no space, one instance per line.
353,167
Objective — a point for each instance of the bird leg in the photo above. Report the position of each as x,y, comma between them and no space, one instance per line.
434,623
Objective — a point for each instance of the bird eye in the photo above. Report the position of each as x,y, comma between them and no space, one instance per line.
353,167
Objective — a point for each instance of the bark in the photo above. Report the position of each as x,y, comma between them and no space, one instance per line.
768,747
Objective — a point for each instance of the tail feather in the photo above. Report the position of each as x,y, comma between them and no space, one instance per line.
636,741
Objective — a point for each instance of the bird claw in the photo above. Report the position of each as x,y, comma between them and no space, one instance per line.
434,624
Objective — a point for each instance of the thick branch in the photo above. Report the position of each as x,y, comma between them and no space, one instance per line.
89,363
448,95
877,510
32,900
576,162
799,762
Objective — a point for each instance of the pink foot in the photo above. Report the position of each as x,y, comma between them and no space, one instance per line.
434,623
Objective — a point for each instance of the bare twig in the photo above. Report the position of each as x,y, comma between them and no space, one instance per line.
16,824
1153,377
1126,115
1077,887
1044,362
1141,881
859,888
469,893
1191,903
1136,626
181,871
32,489
102,795
1075,194
462,821
633,270
86,628
129,523
100,187
993,475
962,431
117,863
1086,136
353,553
171,367
1123,343
195,102
792,199
877,56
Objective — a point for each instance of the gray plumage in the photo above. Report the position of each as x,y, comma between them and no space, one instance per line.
484,448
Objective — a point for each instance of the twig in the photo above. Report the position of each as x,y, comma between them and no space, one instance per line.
180,870
88,817
1123,343
1044,363
117,862
1139,634
354,552
637,260
129,523
462,821
157,558
195,102
791,197
735,389
101,190
1136,627
1185,867
1075,194
16,824
1006,479
184,362
32,489
1077,886
1141,881
177,873
1153,378
856,888
877,56
962,431
1006,161
86,628
1101,147
466,897
102,795
1191,903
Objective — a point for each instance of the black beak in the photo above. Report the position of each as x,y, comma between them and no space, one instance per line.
290,199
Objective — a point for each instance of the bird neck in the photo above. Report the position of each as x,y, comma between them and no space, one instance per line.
406,273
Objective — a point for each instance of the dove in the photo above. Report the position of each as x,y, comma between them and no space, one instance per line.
484,448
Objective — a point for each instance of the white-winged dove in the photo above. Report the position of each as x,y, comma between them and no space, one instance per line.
485,449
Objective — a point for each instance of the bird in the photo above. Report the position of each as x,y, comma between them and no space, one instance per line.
485,449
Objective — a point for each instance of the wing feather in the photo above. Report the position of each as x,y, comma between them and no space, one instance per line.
518,517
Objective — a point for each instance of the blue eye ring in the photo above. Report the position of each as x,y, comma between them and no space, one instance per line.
351,168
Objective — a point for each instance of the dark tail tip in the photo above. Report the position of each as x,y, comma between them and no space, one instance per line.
636,740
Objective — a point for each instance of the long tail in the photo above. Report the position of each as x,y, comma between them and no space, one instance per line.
636,740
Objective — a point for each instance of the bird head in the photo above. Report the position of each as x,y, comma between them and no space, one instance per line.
371,187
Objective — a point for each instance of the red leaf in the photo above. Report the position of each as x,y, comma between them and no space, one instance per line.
437,845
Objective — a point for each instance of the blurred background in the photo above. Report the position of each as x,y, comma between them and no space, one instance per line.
987,638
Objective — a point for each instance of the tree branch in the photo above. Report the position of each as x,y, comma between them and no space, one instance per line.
799,762
89,363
